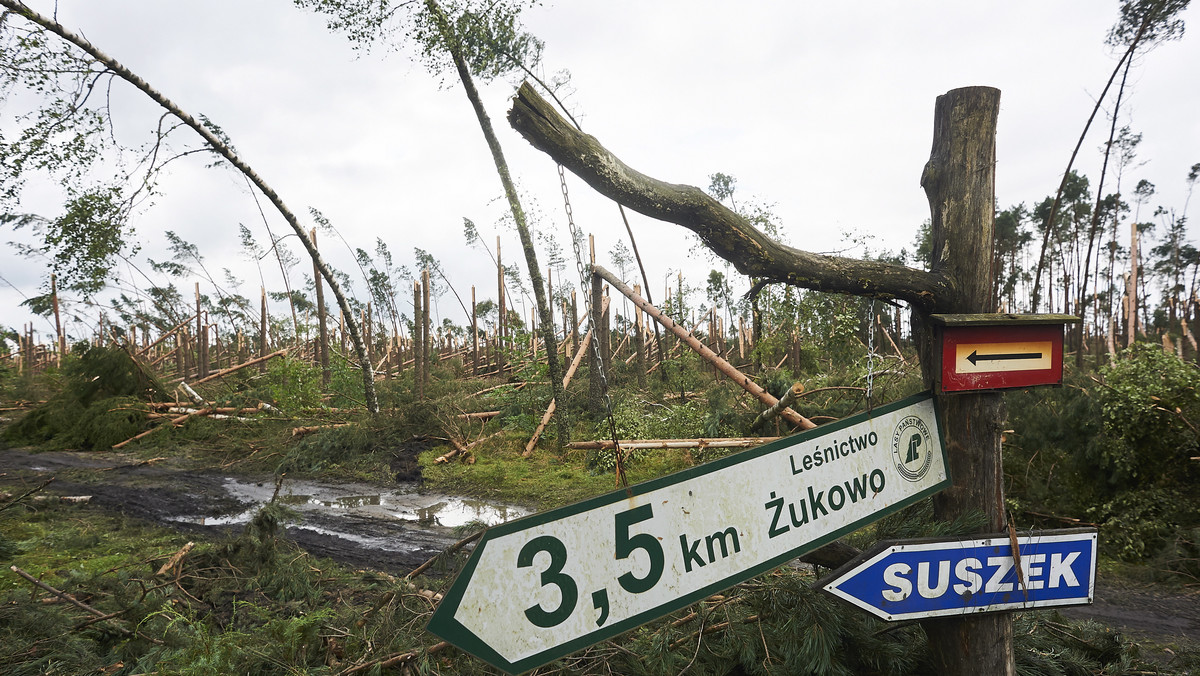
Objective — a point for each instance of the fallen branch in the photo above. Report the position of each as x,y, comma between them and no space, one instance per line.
173,421
480,415
79,604
31,491
395,658
173,562
453,548
301,431
445,458
239,367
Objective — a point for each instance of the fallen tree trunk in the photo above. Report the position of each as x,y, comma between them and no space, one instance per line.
309,429
703,350
788,399
447,457
633,444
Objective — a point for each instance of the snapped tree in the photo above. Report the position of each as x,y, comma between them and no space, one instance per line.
485,43
216,143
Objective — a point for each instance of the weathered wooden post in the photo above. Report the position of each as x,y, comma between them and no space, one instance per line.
959,181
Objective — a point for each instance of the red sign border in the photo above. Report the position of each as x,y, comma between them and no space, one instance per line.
952,336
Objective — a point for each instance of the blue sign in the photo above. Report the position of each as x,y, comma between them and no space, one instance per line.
914,579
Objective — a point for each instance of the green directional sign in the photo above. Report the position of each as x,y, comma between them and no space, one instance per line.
552,583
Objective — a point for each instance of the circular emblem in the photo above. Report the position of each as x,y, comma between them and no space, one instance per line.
912,448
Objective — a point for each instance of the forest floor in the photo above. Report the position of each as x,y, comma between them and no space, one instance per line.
396,527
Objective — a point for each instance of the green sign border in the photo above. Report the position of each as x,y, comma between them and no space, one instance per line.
444,625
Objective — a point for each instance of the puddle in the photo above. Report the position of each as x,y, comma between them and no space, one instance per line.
403,504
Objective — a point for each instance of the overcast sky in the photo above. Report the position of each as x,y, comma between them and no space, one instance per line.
823,111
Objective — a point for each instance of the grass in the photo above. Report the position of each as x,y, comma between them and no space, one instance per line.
544,480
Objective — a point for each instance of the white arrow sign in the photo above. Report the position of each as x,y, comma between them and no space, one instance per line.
549,584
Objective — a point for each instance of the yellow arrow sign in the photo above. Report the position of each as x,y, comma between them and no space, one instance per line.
995,357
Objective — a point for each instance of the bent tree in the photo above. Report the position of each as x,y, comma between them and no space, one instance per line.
959,183
217,144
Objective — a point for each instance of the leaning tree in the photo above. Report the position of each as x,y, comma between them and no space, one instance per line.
101,64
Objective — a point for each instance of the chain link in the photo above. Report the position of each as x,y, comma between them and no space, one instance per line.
584,285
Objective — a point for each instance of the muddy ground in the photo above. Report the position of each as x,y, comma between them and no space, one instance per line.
345,522
399,538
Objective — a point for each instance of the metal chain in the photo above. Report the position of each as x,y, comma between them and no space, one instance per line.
870,354
584,276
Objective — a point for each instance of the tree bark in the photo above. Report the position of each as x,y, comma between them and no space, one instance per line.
727,234
959,181
221,148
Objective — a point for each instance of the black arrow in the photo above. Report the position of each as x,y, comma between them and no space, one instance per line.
975,358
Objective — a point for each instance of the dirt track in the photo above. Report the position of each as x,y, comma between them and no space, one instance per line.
365,538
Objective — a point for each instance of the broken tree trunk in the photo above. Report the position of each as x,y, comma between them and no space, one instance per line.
701,349
239,367
959,181
537,434
788,399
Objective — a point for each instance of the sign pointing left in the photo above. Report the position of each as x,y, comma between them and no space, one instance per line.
975,357
549,584
917,579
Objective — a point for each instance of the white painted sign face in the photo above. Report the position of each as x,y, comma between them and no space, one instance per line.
549,584
918,579
1000,357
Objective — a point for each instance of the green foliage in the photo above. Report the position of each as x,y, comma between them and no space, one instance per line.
1114,452
292,385
1148,401
100,402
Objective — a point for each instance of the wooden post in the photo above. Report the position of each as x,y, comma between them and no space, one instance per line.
322,323
959,181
